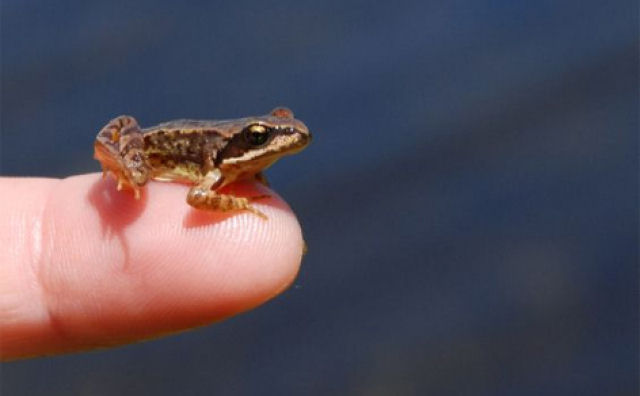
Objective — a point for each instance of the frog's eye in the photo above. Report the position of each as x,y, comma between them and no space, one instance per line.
257,135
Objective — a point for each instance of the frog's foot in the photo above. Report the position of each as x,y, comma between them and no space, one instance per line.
201,197
119,148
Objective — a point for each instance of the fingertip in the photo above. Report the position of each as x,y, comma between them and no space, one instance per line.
234,260
116,269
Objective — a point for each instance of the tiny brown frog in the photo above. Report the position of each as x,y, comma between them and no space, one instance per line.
207,154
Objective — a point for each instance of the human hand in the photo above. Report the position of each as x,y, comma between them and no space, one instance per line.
84,266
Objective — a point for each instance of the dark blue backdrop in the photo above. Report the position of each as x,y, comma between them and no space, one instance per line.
469,200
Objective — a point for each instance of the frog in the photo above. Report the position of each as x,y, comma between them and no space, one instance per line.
205,154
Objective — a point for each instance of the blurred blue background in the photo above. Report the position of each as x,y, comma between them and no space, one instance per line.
470,199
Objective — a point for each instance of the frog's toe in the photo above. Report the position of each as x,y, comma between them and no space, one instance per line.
123,181
256,212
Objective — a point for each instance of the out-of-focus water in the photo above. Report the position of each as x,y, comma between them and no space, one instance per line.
470,198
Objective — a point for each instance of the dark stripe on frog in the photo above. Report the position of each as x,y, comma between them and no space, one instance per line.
130,143
238,145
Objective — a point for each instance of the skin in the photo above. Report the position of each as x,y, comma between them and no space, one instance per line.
85,266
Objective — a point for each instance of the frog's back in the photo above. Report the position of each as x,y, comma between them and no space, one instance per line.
185,124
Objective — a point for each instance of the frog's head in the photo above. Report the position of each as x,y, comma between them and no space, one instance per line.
257,142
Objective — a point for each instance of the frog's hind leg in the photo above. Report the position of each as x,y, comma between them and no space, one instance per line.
204,196
119,147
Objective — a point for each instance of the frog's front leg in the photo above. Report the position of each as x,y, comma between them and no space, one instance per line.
204,196
120,149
